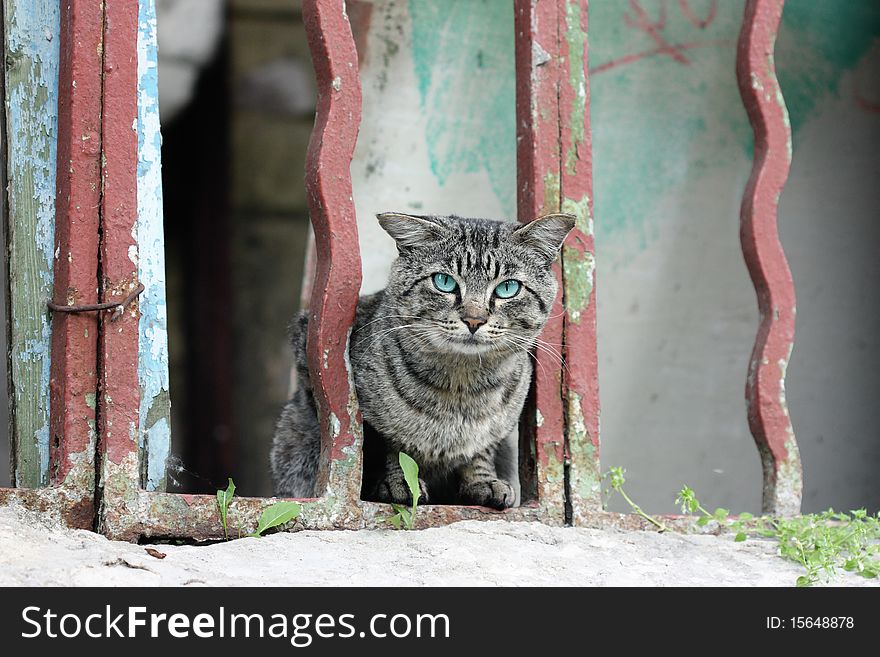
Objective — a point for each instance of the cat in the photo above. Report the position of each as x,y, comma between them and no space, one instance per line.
441,361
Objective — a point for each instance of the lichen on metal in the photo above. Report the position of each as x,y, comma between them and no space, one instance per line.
578,268
584,480
580,208
576,37
551,193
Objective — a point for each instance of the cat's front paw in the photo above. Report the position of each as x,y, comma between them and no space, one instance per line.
394,490
494,493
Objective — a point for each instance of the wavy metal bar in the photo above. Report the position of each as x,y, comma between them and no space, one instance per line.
765,387
337,279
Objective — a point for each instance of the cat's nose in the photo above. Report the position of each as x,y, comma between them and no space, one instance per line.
473,323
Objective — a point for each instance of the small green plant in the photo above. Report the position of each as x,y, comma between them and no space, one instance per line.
275,515
224,497
272,516
403,516
820,542
689,503
616,478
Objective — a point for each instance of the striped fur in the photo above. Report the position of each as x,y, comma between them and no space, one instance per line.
427,385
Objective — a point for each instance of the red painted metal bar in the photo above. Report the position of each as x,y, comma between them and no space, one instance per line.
73,379
581,384
337,279
119,393
765,387
538,71
73,383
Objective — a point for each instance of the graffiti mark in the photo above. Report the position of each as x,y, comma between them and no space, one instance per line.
871,106
637,18
700,23
630,59
653,29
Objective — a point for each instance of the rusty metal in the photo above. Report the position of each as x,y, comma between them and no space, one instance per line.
554,175
117,306
73,382
338,267
581,375
538,71
119,392
765,385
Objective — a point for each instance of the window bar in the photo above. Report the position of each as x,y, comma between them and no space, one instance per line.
337,278
119,398
581,373
768,416
72,385
538,69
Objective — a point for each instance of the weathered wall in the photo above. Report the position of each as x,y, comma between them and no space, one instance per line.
676,313
437,134
672,152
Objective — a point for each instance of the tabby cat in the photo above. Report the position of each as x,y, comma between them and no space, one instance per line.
440,360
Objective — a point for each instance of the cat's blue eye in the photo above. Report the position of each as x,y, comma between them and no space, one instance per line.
444,282
507,289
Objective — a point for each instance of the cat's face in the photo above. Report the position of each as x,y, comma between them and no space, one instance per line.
474,286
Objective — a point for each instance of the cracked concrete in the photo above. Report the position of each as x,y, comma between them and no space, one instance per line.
36,553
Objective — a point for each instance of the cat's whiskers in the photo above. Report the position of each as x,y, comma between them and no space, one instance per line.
377,337
392,316
518,348
538,344
418,329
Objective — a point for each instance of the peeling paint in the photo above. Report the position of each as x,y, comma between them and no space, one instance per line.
789,481
32,130
335,426
554,468
581,210
149,257
449,40
551,193
578,269
585,480
576,38
539,55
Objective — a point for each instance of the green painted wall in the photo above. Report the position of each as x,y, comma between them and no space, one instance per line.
469,116
677,316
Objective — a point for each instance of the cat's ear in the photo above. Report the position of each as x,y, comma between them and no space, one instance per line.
408,230
545,234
